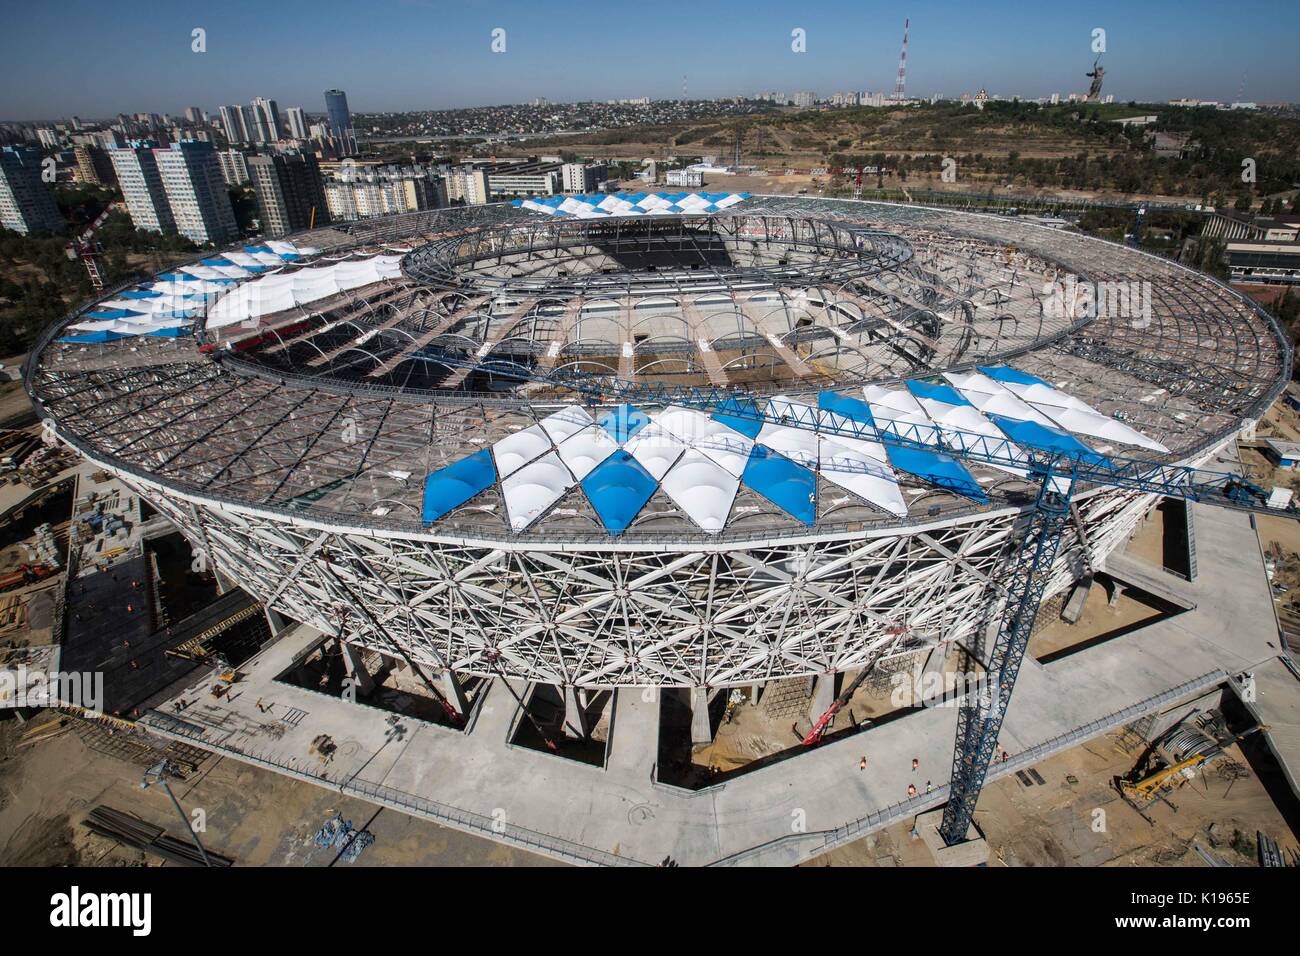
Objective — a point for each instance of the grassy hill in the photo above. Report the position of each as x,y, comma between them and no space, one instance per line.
1071,146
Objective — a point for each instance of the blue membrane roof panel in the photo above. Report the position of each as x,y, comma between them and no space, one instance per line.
939,392
859,411
1032,436
450,487
1005,373
624,422
846,406
618,489
790,487
113,314
747,426
101,336
936,468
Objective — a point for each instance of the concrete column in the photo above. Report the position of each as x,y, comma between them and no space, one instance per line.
1116,590
701,728
454,692
823,697
1078,598
356,668
754,691
275,620
576,722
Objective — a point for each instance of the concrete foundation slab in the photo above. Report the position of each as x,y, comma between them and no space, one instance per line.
973,852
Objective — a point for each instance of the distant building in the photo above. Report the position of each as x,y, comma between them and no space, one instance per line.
1230,224
253,132
109,138
234,166
688,178
584,177
1284,454
296,117
26,203
523,179
482,182
290,192
1176,145
94,165
193,115
340,121
267,116
1136,120
196,192
359,192
1269,263
142,187
460,184
232,123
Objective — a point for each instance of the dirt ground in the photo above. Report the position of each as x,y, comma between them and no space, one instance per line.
1076,818
1098,621
254,816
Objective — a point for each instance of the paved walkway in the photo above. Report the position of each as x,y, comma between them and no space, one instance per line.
779,814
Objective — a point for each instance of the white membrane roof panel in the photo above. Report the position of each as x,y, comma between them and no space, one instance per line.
655,449
587,449
702,488
797,444
962,425
897,408
566,422
724,445
862,473
993,398
531,490
515,451
1076,415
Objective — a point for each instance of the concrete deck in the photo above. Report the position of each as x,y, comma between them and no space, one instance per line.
779,814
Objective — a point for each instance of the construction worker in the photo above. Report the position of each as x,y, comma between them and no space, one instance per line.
915,764
911,789
862,764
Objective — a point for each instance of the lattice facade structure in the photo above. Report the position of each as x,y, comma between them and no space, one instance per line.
592,617
294,455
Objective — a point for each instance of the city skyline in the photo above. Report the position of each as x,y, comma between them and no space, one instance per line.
1162,51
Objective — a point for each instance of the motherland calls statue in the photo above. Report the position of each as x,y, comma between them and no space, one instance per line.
1097,74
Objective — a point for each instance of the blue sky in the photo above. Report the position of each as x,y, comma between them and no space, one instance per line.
98,58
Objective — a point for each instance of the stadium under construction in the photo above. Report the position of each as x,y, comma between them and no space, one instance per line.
549,466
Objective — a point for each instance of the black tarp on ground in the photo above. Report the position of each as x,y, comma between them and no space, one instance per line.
110,629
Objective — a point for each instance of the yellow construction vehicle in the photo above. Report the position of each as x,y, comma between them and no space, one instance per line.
1142,786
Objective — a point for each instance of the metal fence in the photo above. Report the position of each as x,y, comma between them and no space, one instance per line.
459,819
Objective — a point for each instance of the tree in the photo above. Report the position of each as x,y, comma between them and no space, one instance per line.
1243,203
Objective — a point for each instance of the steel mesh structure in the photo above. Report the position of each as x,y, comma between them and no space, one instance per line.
291,449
